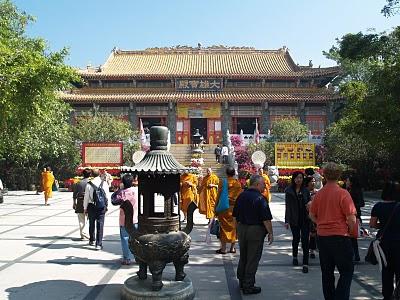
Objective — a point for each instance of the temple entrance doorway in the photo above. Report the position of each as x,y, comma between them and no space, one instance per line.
201,125
248,125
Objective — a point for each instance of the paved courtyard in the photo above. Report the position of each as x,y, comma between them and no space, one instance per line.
42,257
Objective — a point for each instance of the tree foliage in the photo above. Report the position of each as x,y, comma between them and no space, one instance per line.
371,84
391,8
268,147
289,130
102,128
33,121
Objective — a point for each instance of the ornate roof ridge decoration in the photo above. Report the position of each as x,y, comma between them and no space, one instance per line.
192,50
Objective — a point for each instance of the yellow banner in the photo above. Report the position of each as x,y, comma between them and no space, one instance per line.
199,110
294,154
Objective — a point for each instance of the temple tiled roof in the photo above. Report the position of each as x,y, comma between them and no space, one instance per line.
159,96
192,62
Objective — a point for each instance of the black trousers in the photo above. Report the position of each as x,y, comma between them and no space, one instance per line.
301,232
313,236
96,220
356,252
392,253
251,242
336,251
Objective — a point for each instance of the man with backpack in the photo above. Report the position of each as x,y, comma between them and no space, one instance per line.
95,205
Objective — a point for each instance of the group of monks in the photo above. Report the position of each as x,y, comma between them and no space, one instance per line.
205,192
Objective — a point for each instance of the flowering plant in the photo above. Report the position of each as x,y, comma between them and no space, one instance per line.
236,141
196,162
283,183
115,171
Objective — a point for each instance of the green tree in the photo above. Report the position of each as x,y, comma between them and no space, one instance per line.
289,130
371,84
268,147
33,121
391,8
107,128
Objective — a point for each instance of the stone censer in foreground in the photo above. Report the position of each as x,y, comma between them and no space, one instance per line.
159,239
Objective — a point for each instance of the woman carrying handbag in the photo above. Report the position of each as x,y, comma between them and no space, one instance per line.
385,216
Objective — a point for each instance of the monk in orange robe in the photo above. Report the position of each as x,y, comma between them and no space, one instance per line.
188,191
266,193
225,218
47,184
208,192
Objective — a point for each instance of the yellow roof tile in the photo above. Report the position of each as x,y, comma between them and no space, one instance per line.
203,63
271,96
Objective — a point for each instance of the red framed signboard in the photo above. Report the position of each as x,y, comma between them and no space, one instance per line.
102,154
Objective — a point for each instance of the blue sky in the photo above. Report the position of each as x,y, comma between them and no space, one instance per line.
91,28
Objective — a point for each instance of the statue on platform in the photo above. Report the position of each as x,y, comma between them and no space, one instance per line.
273,174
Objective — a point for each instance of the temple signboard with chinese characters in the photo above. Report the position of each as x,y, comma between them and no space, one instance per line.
198,84
102,154
294,154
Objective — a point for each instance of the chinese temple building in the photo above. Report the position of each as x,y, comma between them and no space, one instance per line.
212,89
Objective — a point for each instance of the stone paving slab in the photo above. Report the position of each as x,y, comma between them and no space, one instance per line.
42,257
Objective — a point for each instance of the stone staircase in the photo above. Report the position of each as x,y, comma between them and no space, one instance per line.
182,153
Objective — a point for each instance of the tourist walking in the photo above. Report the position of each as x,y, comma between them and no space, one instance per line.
253,218
385,216
225,218
354,188
225,153
127,192
107,177
296,217
310,172
96,208
208,192
333,211
309,183
217,152
47,184
78,196
188,183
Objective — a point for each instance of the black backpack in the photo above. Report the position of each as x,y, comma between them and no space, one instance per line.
99,196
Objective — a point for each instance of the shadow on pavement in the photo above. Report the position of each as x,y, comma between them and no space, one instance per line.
111,243
76,260
58,289
22,194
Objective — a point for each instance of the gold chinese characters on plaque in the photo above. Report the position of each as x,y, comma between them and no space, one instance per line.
199,110
102,154
294,154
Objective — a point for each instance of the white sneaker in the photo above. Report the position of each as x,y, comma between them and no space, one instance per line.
98,247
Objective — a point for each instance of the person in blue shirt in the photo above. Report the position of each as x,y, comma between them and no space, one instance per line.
253,217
